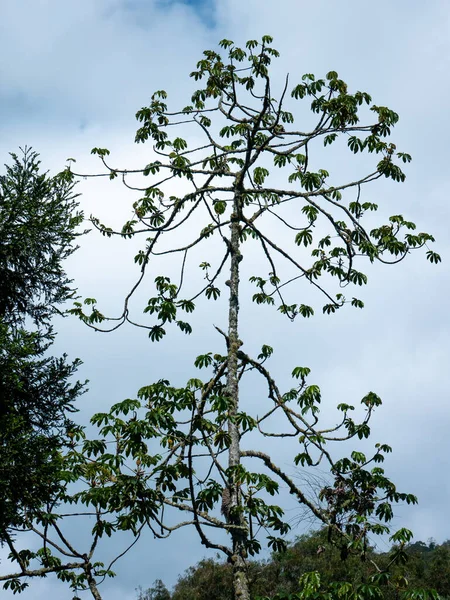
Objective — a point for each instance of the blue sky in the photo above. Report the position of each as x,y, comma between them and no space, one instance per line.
72,76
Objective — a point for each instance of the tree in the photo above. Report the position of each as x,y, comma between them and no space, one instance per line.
190,450
228,183
38,222
157,592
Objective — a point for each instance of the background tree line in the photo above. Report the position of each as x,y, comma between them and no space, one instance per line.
427,566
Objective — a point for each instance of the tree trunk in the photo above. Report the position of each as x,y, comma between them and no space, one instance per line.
238,534
91,582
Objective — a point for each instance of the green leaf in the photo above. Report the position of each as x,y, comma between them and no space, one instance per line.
212,292
156,333
329,139
266,351
303,459
305,311
184,327
251,44
357,277
402,536
433,257
406,158
262,298
204,360
259,175
186,305
304,237
355,144
357,303
301,372
330,308
179,144
100,151
225,43
299,91
277,544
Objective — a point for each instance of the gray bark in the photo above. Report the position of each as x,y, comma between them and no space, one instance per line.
238,534
92,583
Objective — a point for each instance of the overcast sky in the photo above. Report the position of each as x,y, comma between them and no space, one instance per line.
73,74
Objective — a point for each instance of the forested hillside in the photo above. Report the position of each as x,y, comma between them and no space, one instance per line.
427,566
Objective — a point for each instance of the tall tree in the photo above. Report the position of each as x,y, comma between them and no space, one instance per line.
205,428
38,222
199,451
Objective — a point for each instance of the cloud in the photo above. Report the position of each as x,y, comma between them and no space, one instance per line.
83,61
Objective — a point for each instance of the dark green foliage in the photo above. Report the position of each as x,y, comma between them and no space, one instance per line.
38,219
36,400
208,579
37,231
427,568
157,592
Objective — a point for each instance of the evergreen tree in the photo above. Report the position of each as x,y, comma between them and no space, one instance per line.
38,221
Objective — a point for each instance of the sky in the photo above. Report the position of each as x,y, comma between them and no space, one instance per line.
72,76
